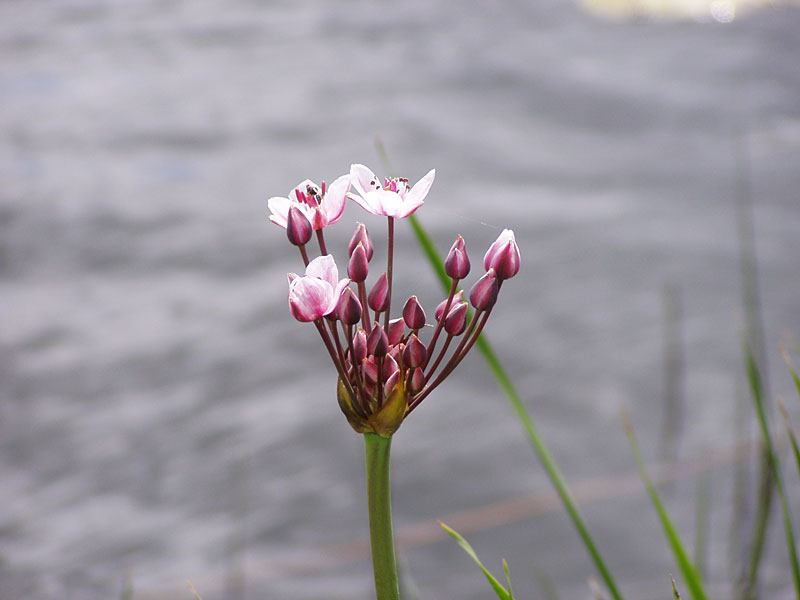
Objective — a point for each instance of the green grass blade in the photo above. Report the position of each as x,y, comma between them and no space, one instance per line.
536,441
701,525
431,253
785,413
519,408
498,588
437,263
754,336
789,364
758,401
508,580
685,565
548,463
766,485
790,432
739,493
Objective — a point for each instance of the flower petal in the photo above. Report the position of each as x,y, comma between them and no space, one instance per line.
309,298
324,268
337,293
407,208
335,197
391,204
363,179
417,193
367,203
279,207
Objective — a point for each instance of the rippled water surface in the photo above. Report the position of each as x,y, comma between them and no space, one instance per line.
162,416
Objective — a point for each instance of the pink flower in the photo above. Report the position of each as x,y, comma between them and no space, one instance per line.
392,199
321,206
317,293
503,256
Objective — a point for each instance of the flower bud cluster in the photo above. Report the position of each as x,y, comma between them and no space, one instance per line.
385,367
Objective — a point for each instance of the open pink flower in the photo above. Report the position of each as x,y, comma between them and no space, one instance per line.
316,294
395,198
321,206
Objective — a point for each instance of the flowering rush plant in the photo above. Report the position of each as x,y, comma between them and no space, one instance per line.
385,368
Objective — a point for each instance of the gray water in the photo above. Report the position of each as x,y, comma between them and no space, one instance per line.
164,419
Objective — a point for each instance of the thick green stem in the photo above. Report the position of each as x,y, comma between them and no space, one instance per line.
379,502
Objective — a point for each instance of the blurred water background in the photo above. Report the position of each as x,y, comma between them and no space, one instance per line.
163,419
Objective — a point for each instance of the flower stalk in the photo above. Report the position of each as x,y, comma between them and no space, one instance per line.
379,505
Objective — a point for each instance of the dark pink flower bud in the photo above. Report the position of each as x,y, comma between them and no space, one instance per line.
456,321
396,352
456,265
390,383
370,370
359,346
358,267
456,299
483,294
416,381
413,314
298,227
397,327
362,236
349,308
377,342
503,256
378,298
390,366
415,353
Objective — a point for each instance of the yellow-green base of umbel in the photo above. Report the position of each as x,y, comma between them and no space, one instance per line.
379,503
381,418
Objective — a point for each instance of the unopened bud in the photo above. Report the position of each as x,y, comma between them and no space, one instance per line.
443,304
359,346
378,298
358,267
396,352
415,353
397,327
390,383
349,308
377,342
503,256
413,314
417,381
456,321
362,236
390,367
370,370
298,227
456,265
483,294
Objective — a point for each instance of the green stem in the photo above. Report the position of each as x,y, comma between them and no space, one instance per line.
379,502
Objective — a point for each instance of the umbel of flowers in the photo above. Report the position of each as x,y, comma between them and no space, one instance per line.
387,366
